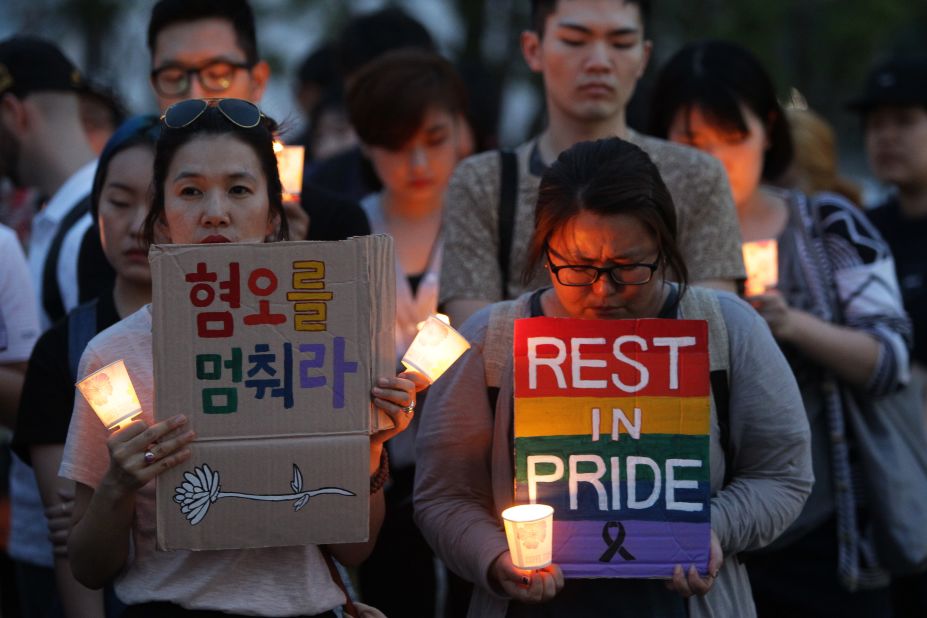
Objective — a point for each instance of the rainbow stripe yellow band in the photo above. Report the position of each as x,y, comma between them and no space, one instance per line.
571,416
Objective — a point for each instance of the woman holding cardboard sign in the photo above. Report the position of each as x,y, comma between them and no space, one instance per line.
215,180
835,310
606,230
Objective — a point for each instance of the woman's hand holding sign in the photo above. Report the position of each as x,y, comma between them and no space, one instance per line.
691,583
396,397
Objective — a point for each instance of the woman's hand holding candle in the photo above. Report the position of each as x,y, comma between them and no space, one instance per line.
139,453
779,316
527,586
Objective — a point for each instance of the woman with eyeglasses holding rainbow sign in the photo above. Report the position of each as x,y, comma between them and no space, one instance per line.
215,180
605,228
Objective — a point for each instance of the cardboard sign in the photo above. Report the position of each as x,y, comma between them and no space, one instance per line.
761,261
271,351
612,430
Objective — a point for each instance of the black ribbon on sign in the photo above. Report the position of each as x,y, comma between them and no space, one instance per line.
614,545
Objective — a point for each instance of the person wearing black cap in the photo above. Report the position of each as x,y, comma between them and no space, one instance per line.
893,106
43,145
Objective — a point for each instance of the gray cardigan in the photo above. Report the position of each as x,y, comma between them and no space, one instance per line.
464,476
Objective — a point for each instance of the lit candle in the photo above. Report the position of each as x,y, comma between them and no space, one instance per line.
110,393
290,161
529,531
440,316
435,348
761,260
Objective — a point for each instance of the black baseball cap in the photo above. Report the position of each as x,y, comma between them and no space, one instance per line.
30,64
899,81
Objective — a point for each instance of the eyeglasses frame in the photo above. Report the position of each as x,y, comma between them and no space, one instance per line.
198,71
599,270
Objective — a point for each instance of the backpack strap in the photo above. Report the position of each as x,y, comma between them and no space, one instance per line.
82,327
95,275
348,609
702,304
508,198
500,337
51,294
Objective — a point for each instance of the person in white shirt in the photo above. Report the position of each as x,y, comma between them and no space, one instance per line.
43,145
19,326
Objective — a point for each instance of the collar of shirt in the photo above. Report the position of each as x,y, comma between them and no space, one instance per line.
74,188
536,166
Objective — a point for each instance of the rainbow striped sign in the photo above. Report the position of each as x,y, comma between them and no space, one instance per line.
612,430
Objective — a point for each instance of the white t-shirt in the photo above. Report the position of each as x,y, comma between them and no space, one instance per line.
28,526
45,226
411,308
20,324
20,320
276,581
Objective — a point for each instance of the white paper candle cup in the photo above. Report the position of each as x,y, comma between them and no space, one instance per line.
290,161
436,347
110,393
529,530
761,261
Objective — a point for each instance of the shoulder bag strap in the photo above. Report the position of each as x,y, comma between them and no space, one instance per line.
508,197
95,275
51,294
349,608
82,326
702,304
500,335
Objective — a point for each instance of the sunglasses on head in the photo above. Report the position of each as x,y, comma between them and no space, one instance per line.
244,114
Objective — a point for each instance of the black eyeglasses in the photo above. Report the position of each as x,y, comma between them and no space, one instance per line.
622,274
239,112
214,75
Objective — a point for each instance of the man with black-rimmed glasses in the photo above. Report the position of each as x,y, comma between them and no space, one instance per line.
203,49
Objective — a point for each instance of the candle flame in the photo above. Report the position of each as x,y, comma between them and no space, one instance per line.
290,160
440,316
761,260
